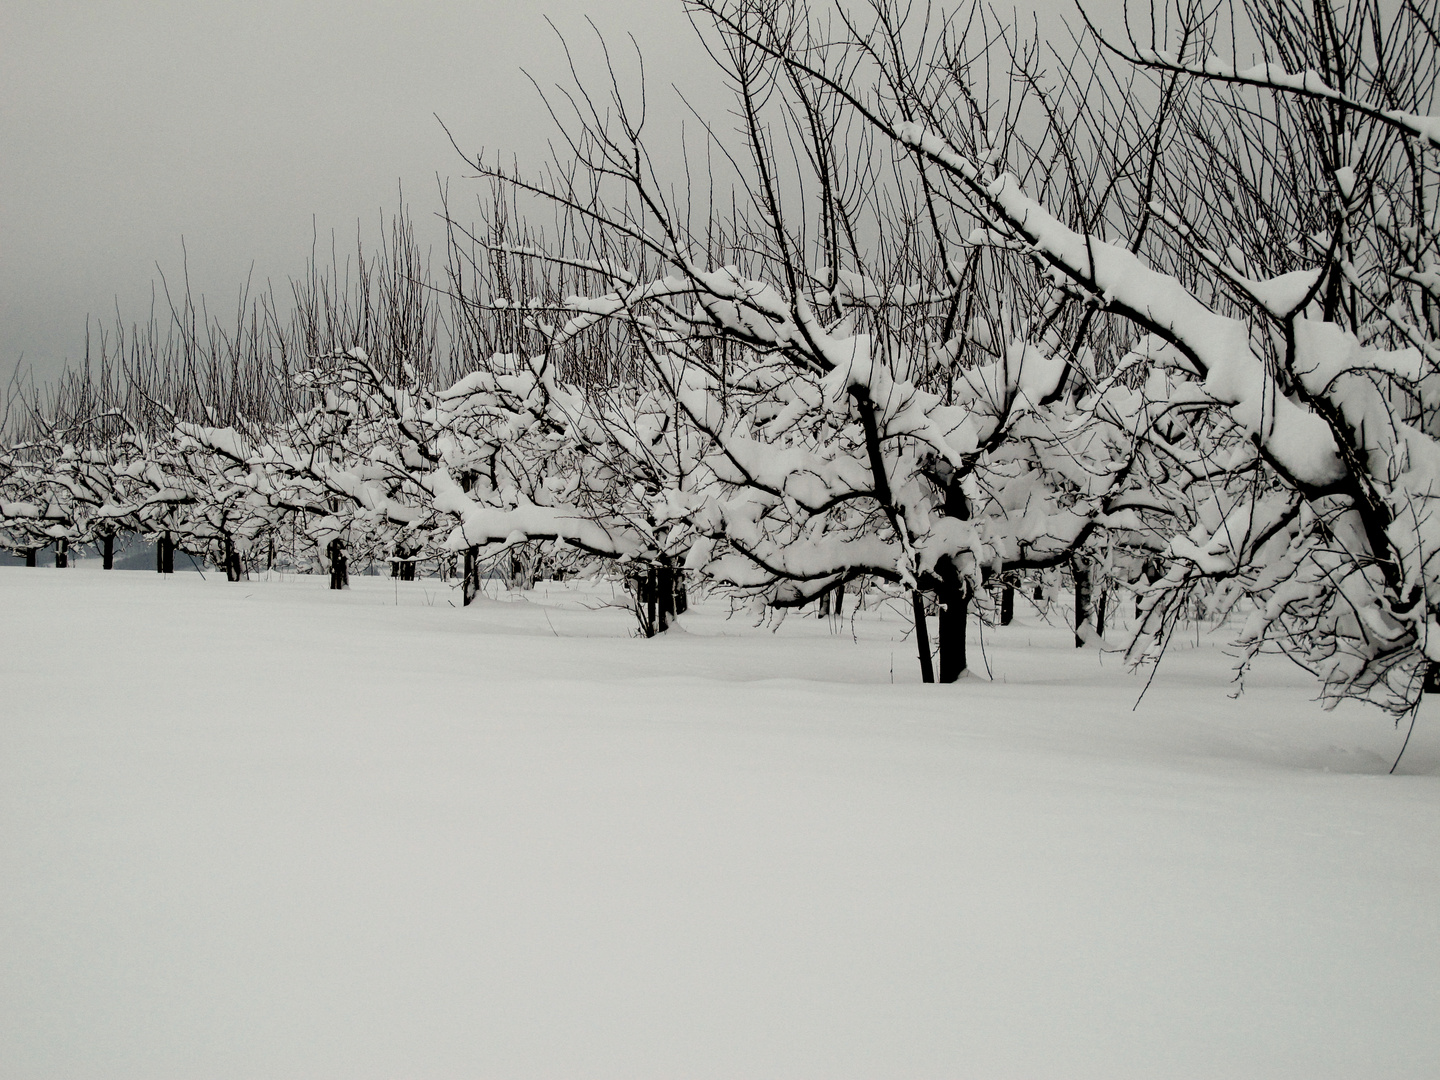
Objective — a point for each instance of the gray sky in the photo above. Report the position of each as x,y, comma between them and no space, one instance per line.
129,124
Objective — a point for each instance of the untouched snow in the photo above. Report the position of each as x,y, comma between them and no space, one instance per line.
265,830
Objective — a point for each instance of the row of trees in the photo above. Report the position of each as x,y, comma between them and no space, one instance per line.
949,305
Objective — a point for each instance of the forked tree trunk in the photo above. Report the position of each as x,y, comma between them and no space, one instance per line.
403,567
660,595
470,586
339,565
62,553
954,595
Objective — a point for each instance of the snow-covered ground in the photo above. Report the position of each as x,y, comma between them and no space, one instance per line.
265,830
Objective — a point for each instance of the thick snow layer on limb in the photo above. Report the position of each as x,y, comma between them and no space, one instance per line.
1325,352
1222,546
482,525
819,559
1232,373
225,441
1284,295
1309,82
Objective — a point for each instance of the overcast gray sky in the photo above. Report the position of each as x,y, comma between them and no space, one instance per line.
129,124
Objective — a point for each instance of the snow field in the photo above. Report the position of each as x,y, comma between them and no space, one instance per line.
265,830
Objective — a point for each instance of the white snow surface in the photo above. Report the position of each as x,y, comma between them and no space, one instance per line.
265,830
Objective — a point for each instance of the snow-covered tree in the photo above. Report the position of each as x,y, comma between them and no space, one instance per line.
877,389
1316,348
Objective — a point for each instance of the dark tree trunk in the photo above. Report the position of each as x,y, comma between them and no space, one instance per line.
954,602
1101,603
107,551
233,571
954,593
521,574
403,567
62,553
825,602
339,565
470,586
652,603
165,554
1039,591
922,637
679,590
30,556
839,600
660,595
1082,599
1007,603
665,595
